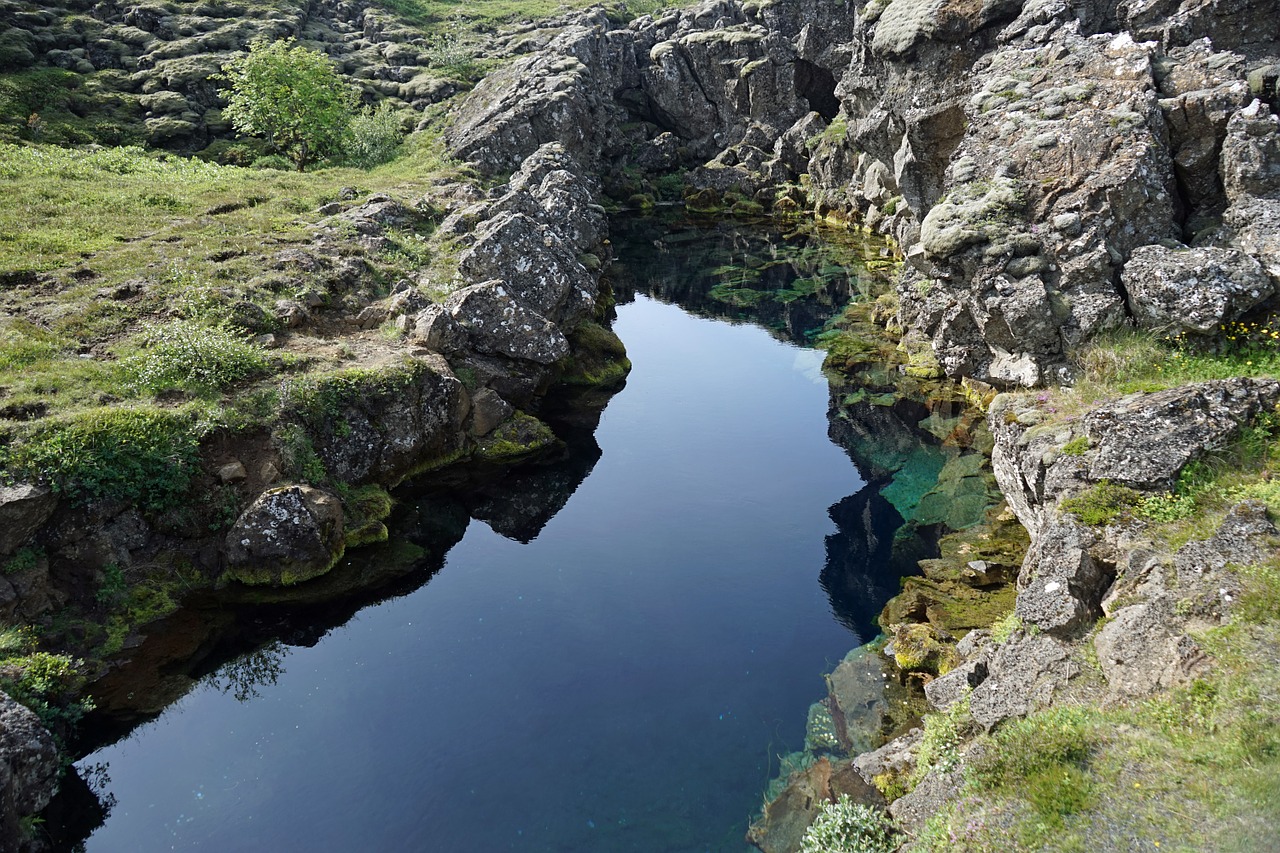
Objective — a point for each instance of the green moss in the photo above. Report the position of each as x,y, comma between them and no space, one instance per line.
1105,503
517,439
920,648
1077,446
598,357
364,511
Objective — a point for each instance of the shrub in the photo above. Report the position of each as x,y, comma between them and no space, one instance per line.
373,137
274,162
192,357
848,827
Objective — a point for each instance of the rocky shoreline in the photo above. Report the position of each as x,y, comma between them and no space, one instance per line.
1052,172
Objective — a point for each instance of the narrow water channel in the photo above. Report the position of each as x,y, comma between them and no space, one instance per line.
625,681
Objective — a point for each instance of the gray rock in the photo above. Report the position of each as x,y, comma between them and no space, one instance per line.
496,323
1145,440
488,409
898,756
944,691
403,414
1061,585
435,329
929,796
1194,290
1140,650
232,472
288,535
1023,675
24,508
537,269
28,767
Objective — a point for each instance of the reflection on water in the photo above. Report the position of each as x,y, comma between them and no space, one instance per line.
613,659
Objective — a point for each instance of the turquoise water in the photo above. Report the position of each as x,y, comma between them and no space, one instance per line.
623,682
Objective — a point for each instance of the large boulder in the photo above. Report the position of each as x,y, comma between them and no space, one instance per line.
496,322
1193,290
542,273
394,418
29,768
290,534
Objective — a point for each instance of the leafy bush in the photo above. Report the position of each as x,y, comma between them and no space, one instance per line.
848,827
273,162
192,357
291,97
138,454
373,137
47,684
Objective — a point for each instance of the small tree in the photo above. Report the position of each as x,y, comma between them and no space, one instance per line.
291,97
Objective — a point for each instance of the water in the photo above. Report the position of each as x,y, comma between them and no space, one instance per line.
623,682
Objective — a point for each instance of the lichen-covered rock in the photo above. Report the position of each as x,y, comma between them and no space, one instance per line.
1022,674
1061,585
28,769
24,507
435,329
926,799
1145,440
382,423
290,534
537,269
497,323
1193,290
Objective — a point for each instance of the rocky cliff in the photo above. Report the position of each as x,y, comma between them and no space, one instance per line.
1051,171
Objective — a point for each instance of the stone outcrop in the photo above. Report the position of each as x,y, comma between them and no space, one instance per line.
28,769
1031,158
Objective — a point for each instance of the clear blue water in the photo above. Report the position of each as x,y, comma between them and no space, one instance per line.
623,682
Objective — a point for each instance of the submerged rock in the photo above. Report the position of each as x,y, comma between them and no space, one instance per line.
785,819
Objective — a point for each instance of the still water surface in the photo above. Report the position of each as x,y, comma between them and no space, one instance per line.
624,682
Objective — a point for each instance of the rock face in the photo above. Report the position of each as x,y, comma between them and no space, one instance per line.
1140,442
28,769
23,509
290,534
1024,154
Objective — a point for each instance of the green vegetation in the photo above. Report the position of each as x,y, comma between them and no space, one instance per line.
48,684
291,97
944,732
844,826
1104,503
187,356
141,454
1077,446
